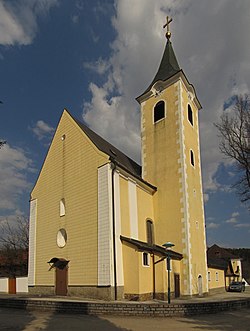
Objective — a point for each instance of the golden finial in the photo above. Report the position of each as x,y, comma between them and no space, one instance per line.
168,33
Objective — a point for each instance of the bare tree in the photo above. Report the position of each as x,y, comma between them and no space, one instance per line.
2,142
14,245
234,131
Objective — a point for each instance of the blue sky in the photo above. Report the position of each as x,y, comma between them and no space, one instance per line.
94,58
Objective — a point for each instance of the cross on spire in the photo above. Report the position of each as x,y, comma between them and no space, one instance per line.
168,33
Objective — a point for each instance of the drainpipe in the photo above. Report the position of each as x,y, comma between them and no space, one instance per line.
153,257
113,167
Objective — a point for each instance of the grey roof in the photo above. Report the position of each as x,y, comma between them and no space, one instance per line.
216,251
114,153
217,263
143,246
168,67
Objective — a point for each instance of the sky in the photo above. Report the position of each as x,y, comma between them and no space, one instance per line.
94,58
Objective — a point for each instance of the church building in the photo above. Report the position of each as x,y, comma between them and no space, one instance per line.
103,226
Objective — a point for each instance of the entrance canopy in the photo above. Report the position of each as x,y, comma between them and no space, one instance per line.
154,249
59,263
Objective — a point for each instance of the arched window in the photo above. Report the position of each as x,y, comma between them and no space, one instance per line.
200,291
190,115
159,111
150,232
192,157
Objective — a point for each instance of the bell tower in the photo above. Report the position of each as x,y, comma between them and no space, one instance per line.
171,162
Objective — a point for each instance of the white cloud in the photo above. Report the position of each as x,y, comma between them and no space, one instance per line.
210,58
212,225
242,225
233,219
111,119
100,66
14,169
75,19
43,130
205,197
18,20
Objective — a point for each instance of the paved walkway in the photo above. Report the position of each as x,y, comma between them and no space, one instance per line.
216,297
16,320
222,296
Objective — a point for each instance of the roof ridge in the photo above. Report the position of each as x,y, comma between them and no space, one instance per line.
109,149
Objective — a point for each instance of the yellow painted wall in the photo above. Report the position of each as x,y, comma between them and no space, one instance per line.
145,210
216,281
140,280
69,172
162,275
137,278
145,275
124,202
131,269
194,193
160,160
160,156
178,202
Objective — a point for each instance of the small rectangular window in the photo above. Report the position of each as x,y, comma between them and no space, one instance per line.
62,207
145,259
217,276
209,276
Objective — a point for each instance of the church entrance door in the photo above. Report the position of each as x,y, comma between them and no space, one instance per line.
62,281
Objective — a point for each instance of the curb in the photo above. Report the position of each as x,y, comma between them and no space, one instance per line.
124,309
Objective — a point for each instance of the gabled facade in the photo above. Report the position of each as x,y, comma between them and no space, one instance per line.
98,220
220,258
90,208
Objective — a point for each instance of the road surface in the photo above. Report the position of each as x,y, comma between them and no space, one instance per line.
17,320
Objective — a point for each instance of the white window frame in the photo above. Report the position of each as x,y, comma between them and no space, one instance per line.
148,260
165,112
